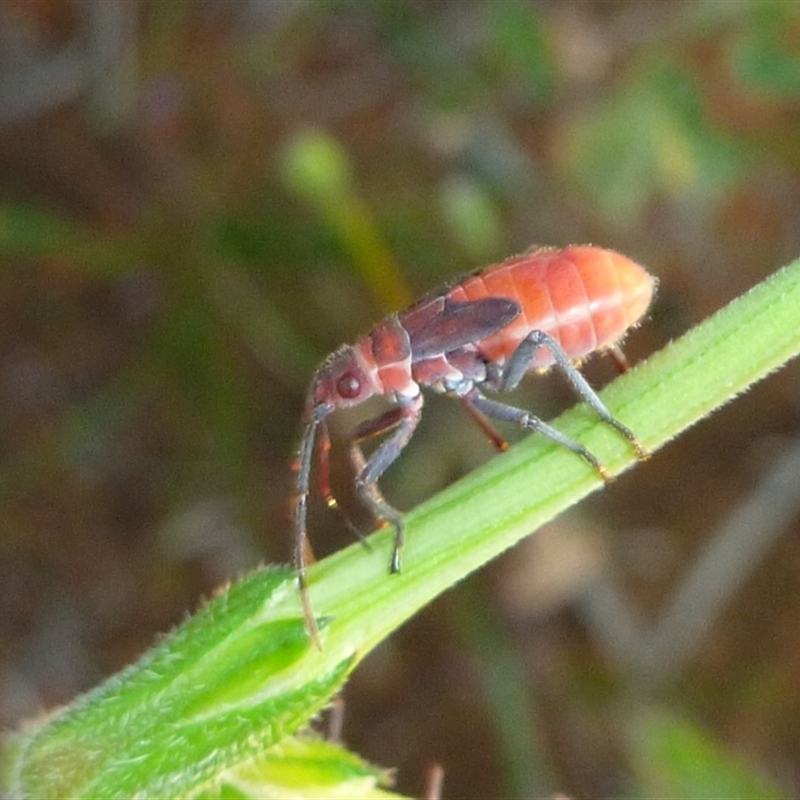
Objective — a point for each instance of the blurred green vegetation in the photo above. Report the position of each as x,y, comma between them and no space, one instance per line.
270,179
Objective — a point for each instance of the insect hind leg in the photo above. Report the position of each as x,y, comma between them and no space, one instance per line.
494,436
521,359
530,422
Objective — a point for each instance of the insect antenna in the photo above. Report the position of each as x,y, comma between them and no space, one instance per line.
303,555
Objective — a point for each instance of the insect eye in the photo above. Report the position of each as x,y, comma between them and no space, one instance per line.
348,386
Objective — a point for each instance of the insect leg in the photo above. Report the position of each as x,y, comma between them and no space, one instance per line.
368,471
615,351
336,720
491,432
530,422
524,354
324,478
375,427
434,780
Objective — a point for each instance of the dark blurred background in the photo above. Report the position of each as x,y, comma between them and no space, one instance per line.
199,200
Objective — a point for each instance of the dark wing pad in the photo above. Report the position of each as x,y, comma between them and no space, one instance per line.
459,324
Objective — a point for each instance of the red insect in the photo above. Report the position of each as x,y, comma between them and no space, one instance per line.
547,308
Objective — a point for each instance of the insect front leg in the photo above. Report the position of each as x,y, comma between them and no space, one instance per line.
324,480
405,418
521,359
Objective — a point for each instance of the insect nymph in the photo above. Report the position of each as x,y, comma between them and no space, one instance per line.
550,307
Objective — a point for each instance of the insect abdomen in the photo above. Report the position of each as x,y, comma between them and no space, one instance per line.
584,297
